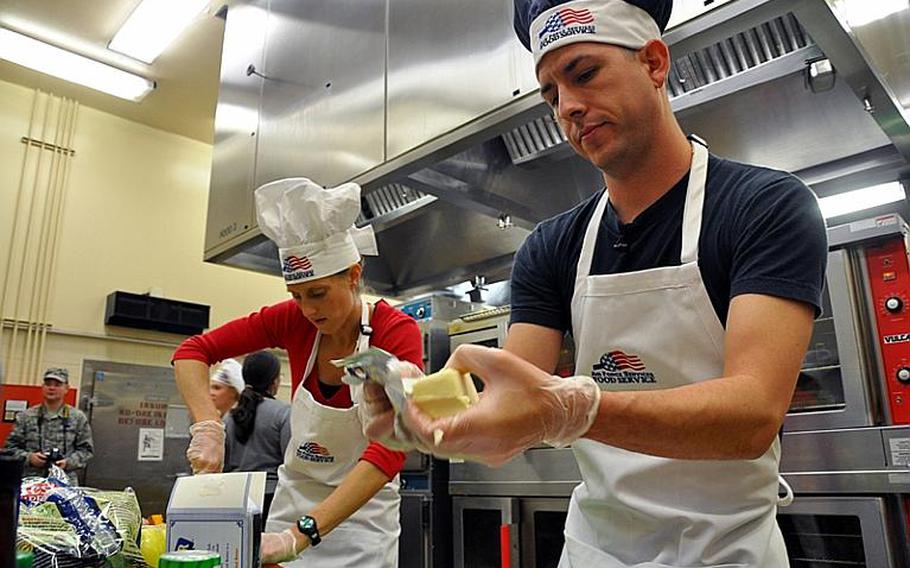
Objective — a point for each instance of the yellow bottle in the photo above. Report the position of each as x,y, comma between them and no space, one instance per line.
153,543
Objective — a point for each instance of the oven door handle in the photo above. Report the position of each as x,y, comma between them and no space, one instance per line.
853,482
507,535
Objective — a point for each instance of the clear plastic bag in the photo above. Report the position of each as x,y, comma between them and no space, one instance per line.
382,368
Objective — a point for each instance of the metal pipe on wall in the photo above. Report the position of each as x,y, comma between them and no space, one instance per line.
15,225
37,265
47,204
25,248
58,221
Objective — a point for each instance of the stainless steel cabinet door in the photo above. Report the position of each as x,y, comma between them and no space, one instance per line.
236,125
449,63
322,113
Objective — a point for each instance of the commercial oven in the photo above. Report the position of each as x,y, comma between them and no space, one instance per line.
855,379
485,532
489,328
835,531
485,327
846,442
505,532
854,372
820,532
514,515
426,518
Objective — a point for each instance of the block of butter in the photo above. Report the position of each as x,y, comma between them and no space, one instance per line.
444,393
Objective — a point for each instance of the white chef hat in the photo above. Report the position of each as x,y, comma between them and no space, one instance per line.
313,227
230,373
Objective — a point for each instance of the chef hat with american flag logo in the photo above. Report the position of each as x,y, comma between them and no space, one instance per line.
545,25
313,227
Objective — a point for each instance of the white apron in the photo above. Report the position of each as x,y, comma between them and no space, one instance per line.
326,443
657,329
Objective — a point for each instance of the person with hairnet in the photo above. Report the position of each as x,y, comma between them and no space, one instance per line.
337,500
225,386
258,429
689,283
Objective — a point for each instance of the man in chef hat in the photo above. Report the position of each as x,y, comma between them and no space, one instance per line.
689,286
337,502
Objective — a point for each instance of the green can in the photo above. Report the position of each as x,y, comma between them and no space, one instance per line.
190,559
24,559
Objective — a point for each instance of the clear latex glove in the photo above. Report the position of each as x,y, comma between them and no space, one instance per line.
377,413
278,547
206,450
520,406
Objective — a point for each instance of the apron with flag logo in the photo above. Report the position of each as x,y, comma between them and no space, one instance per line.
326,443
657,329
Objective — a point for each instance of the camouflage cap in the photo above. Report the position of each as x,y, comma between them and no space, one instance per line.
57,374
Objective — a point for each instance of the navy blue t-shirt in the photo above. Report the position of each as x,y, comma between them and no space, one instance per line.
762,233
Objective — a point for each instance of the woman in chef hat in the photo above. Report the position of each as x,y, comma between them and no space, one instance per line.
226,385
337,498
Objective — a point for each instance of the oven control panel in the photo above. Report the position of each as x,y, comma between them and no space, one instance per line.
889,280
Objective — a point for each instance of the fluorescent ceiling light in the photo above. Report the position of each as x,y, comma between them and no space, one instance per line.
859,199
66,65
862,12
153,25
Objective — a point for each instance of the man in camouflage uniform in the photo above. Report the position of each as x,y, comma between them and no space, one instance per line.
52,424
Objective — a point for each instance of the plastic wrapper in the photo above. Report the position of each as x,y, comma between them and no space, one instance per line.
383,368
77,527
378,366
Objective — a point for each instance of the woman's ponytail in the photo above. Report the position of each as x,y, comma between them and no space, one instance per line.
260,369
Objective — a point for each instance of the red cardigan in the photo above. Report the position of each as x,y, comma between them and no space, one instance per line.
284,326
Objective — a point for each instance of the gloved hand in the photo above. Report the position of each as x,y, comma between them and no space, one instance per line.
520,406
378,415
206,450
278,547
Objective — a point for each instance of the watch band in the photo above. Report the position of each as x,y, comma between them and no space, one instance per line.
307,526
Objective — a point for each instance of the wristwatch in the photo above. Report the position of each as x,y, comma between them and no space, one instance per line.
307,526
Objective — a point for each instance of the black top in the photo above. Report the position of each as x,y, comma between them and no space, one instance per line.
264,449
762,233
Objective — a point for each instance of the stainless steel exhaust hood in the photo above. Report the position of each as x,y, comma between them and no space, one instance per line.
465,158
